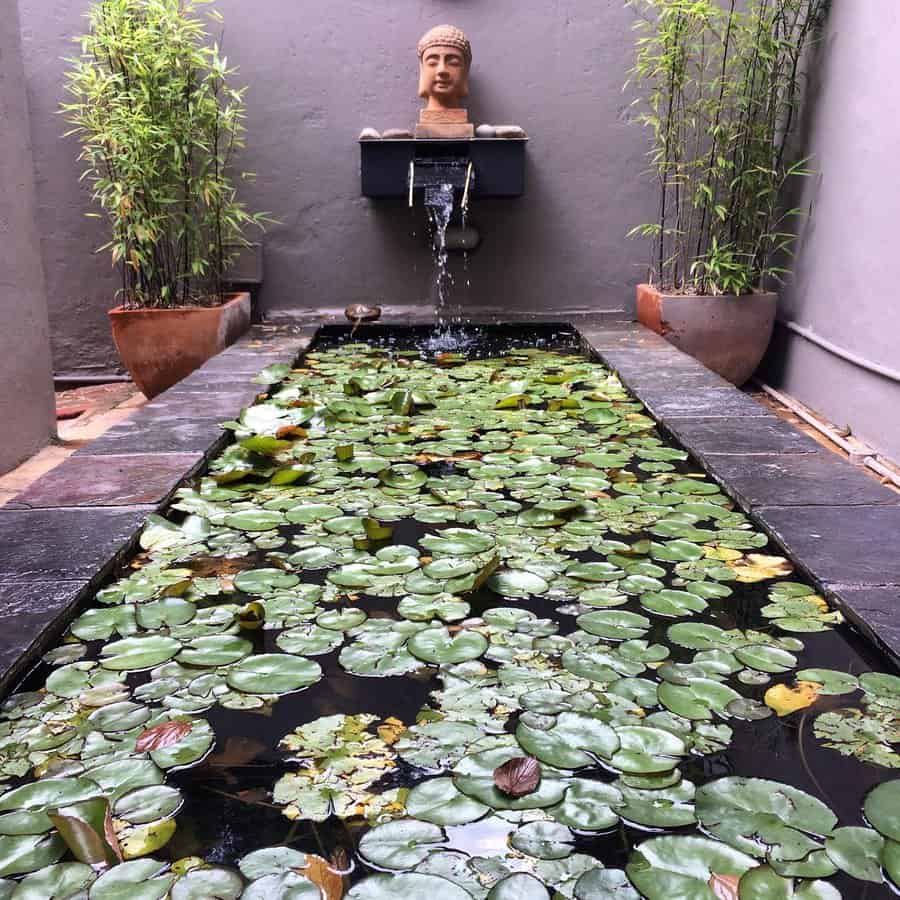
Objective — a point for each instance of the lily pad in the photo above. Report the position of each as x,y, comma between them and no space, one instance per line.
882,809
409,886
682,866
439,802
273,673
401,844
762,817
437,645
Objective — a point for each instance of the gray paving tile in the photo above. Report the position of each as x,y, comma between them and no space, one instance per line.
616,336
674,378
661,359
33,615
206,383
667,401
196,436
67,544
120,480
188,406
798,479
846,545
875,610
738,435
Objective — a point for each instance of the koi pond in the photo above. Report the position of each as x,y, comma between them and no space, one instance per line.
452,626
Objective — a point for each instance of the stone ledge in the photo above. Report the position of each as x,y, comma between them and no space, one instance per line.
33,615
63,536
109,480
837,525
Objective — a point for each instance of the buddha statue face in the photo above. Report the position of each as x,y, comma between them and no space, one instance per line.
444,59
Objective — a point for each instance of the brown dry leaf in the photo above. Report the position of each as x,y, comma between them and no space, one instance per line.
518,777
208,566
163,735
785,700
391,730
724,887
320,873
425,458
290,431
109,832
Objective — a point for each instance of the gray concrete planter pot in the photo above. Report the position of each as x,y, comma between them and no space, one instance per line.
727,334
159,347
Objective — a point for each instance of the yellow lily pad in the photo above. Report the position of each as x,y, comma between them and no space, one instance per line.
785,700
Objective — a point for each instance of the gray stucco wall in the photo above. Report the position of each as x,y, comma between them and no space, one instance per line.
26,391
317,73
844,287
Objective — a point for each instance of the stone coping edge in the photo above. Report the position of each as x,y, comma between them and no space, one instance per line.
837,525
54,557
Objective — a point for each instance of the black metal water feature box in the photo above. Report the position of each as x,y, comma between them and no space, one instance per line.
498,164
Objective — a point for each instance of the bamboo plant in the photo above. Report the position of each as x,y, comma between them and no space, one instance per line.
720,82
158,122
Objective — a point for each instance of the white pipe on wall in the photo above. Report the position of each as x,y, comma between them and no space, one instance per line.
848,355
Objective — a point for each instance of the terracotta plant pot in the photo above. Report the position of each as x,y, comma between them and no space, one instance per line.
159,347
727,334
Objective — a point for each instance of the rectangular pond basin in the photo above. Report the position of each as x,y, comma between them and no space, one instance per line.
451,618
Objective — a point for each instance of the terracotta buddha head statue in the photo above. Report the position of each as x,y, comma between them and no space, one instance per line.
445,56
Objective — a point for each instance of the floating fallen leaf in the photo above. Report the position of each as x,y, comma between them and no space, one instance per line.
724,887
208,566
287,432
518,777
758,567
320,873
785,700
163,735
251,616
726,554
390,730
142,840
86,828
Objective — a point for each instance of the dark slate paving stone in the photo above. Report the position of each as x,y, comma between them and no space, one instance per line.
638,358
623,336
32,618
798,479
46,544
209,383
129,480
673,379
875,611
195,436
840,545
739,435
669,402
214,404
248,362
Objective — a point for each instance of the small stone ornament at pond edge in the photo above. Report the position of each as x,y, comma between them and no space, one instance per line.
369,134
359,312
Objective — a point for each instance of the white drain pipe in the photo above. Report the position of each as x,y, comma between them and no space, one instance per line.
859,454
